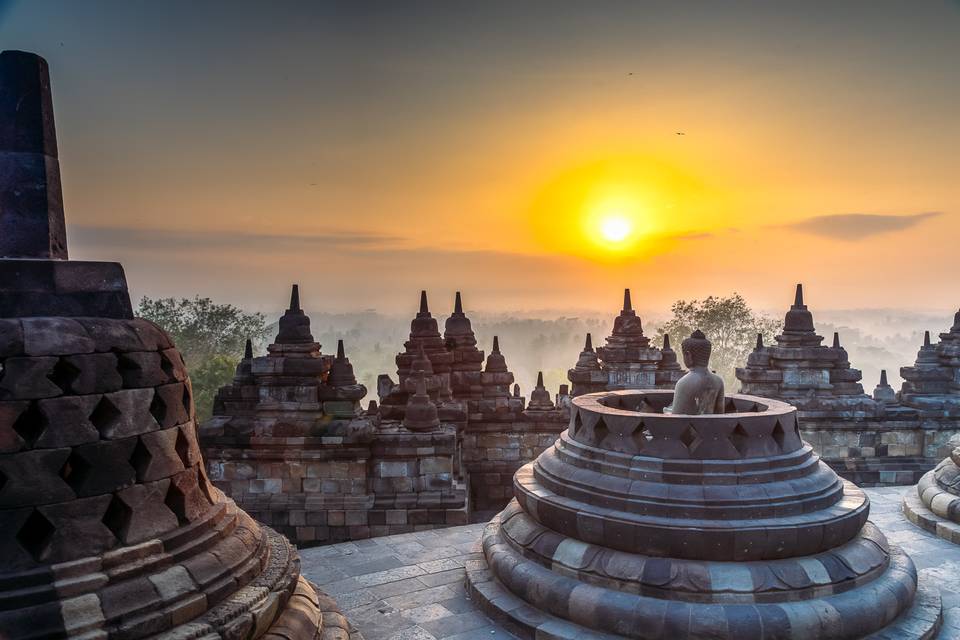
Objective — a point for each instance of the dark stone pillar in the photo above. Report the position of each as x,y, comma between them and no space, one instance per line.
31,200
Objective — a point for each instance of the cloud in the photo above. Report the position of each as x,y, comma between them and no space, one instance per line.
858,226
183,240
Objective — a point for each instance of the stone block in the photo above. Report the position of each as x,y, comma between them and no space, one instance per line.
33,478
140,512
55,337
27,379
126,413
67,421
141,369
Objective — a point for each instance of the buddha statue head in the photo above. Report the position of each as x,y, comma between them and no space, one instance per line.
696,350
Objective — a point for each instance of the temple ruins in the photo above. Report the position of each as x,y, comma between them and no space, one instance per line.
886,438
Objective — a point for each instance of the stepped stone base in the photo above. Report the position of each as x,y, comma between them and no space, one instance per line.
922,516
740,618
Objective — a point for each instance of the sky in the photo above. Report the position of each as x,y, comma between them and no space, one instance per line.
534,155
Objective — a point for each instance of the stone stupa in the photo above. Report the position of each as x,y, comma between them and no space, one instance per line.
109,526
642,524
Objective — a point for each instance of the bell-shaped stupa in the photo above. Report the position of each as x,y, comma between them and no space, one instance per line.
109,526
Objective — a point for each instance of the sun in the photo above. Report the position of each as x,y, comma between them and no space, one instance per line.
615,227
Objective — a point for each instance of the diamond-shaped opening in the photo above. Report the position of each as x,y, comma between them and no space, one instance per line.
187,400
778,434
577,424
117,518
204,483
167,366
158,408
600,431
63,375
104,415
690,438
176,501
126,363
641,436
75,471
183,448
35,534
740,439
140,459
31,424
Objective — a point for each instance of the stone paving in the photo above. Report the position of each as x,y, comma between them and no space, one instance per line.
410,586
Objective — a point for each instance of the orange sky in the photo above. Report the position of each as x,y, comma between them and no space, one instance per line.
370,153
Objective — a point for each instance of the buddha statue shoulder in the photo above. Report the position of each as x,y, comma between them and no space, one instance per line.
699,391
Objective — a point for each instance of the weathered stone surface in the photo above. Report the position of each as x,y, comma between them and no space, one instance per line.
638,524
884,439
98,513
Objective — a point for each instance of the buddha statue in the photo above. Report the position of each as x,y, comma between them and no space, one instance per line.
699,391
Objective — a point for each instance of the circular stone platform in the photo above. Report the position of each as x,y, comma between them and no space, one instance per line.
935,505
642,524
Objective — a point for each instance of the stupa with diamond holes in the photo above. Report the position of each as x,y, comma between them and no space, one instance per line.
627,360
640,524
866,439
109,526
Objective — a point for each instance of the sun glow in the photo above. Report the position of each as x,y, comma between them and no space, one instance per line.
615,228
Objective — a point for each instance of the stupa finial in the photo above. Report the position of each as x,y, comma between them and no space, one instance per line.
31,198
248,350
798,298
424,309
340,353
540,379
458,304
496,344
883,378
759,342
666,341
627,304
836,339
926,338
588,344
295,298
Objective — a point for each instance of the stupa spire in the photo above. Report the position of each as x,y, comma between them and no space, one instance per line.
836,339
295,298
799,320
31,198
340,354
588,344
424,309
666,341
926,339
540,398
759,342
883,377
458,304
496,344
248,350
627,304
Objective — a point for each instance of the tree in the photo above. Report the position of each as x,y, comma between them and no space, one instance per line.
729,323
210,336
